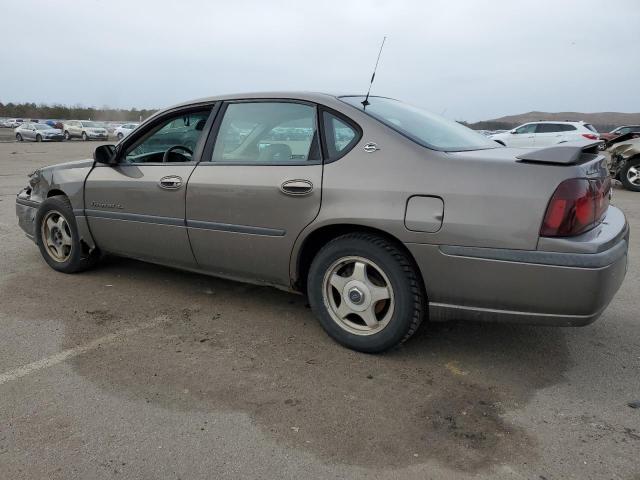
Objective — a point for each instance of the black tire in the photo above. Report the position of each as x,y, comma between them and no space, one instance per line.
407,286
67,136
38,138
624,174
19,137
78,260
84,137
120,136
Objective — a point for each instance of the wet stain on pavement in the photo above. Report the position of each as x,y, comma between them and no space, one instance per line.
233,347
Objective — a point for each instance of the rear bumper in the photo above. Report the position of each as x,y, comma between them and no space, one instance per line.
531,287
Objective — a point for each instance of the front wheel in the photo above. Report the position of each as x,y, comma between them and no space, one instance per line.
84,136
66,135
120,136
57,237
18,137
630,175
38,138
366,292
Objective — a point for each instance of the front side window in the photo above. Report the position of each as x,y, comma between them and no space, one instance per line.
267,133
424,128
528,128
173,140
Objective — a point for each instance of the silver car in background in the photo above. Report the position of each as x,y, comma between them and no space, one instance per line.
384,215
38,132
84,129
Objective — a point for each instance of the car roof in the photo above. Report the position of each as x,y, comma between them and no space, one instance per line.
568,122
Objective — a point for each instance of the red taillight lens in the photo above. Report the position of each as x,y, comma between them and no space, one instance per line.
576,206
590,136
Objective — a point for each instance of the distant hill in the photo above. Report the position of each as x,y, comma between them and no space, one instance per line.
603,121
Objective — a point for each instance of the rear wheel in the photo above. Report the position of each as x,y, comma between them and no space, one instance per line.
366,292
66,135
58,239
630,175
120,136
38,138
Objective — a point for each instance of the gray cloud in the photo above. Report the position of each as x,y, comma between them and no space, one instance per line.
469,59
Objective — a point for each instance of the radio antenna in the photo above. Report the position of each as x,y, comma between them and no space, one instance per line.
366,99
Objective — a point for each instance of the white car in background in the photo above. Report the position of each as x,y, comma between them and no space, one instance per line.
544,134
124,130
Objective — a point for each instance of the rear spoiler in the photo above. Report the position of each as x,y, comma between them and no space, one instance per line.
570,153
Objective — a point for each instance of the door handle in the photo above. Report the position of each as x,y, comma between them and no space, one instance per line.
296,187
170,182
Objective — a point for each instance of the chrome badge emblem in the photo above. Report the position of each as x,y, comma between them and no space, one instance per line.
370,147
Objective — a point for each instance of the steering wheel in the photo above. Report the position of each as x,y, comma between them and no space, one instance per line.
165,157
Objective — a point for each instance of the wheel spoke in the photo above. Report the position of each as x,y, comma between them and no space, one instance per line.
66,239
61,223
378,293
343,310
58,251
360,272
50,224
338,282
369,317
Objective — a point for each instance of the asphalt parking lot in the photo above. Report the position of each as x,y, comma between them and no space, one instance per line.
139,371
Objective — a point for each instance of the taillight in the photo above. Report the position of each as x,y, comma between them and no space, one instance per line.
590,136
576,206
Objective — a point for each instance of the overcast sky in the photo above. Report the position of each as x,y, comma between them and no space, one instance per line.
470,60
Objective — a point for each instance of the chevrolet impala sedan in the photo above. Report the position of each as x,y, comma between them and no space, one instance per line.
384,215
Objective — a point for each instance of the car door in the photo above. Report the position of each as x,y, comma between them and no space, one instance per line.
30,132
258,185
523,136
547,134
136,207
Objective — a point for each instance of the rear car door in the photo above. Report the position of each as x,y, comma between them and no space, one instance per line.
258,185
136,208
547,134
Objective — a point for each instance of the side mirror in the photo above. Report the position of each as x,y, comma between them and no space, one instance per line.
105,154
513,131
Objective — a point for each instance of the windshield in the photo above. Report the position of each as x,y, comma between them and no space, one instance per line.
422,127
42,126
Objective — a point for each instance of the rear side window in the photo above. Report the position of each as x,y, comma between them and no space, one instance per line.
270,133
548,128
571,128
340,136
590,127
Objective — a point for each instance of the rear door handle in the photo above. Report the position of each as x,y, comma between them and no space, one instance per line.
296,187
170,182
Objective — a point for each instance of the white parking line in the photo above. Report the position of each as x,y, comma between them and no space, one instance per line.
60,357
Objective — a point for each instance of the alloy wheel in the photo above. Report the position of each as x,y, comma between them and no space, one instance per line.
358,295
633,175
56,236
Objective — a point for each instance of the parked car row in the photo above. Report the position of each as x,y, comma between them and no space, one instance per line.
55,130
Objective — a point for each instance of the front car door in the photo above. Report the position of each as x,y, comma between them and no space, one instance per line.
523,136
257,187
136,208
